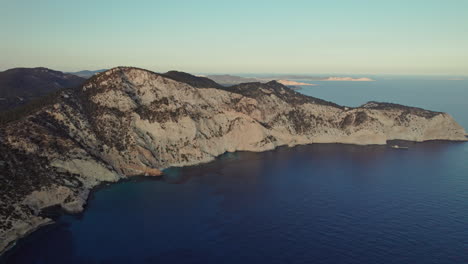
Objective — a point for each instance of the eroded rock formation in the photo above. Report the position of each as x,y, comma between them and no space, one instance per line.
129,121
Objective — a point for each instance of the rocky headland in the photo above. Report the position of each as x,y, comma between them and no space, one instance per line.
128,121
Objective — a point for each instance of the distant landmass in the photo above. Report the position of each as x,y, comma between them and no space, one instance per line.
321,78
289,80
18,86
87,74
294,83
348,79
226,79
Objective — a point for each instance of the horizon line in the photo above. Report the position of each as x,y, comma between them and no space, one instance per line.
252,72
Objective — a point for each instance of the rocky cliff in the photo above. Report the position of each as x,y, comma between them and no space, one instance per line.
129,121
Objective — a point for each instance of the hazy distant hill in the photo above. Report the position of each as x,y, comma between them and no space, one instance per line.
20,85
192,80
226,79
87,74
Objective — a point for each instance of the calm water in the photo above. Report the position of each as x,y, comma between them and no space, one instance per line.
309,204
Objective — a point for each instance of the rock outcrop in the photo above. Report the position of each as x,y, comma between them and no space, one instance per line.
129,121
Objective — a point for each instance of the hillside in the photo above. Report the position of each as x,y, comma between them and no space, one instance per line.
128,121
86,73
20,85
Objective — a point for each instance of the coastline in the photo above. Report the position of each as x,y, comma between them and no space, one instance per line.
104,184
12,243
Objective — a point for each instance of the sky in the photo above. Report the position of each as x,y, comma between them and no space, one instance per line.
215,36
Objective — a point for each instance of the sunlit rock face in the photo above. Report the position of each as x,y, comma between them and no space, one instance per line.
129,121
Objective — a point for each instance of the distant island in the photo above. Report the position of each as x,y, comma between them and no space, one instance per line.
227,79
87,73
294,83
289,80
348,79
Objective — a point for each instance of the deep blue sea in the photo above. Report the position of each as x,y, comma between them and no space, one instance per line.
322,203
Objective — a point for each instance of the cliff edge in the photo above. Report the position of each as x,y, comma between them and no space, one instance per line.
128,121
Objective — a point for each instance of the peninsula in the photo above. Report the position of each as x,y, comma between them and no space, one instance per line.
128,121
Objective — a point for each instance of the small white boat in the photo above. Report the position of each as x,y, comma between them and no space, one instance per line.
398,147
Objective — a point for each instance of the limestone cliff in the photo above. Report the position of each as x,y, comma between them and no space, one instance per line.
129,121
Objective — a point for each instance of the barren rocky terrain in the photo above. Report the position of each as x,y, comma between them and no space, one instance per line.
128,121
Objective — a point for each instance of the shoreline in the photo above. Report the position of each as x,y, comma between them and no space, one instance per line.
102,185
13,243
59,211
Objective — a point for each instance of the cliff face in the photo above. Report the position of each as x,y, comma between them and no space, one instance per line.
128,121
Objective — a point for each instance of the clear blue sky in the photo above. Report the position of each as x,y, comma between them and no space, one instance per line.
238,36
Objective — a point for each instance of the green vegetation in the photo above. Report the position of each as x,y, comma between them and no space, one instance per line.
29,108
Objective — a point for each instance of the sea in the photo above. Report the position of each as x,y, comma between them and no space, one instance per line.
319,203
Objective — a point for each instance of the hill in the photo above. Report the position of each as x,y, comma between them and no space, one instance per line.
127,121
20,85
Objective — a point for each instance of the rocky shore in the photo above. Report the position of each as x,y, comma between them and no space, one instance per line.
127,121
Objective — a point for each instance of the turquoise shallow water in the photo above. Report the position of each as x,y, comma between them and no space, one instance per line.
323,203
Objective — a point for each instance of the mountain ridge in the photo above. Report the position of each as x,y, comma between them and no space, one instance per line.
128,121
18,86
87,73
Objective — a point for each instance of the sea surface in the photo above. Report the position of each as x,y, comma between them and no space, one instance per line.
322,203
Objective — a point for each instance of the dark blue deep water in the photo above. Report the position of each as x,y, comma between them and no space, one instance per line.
323,203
